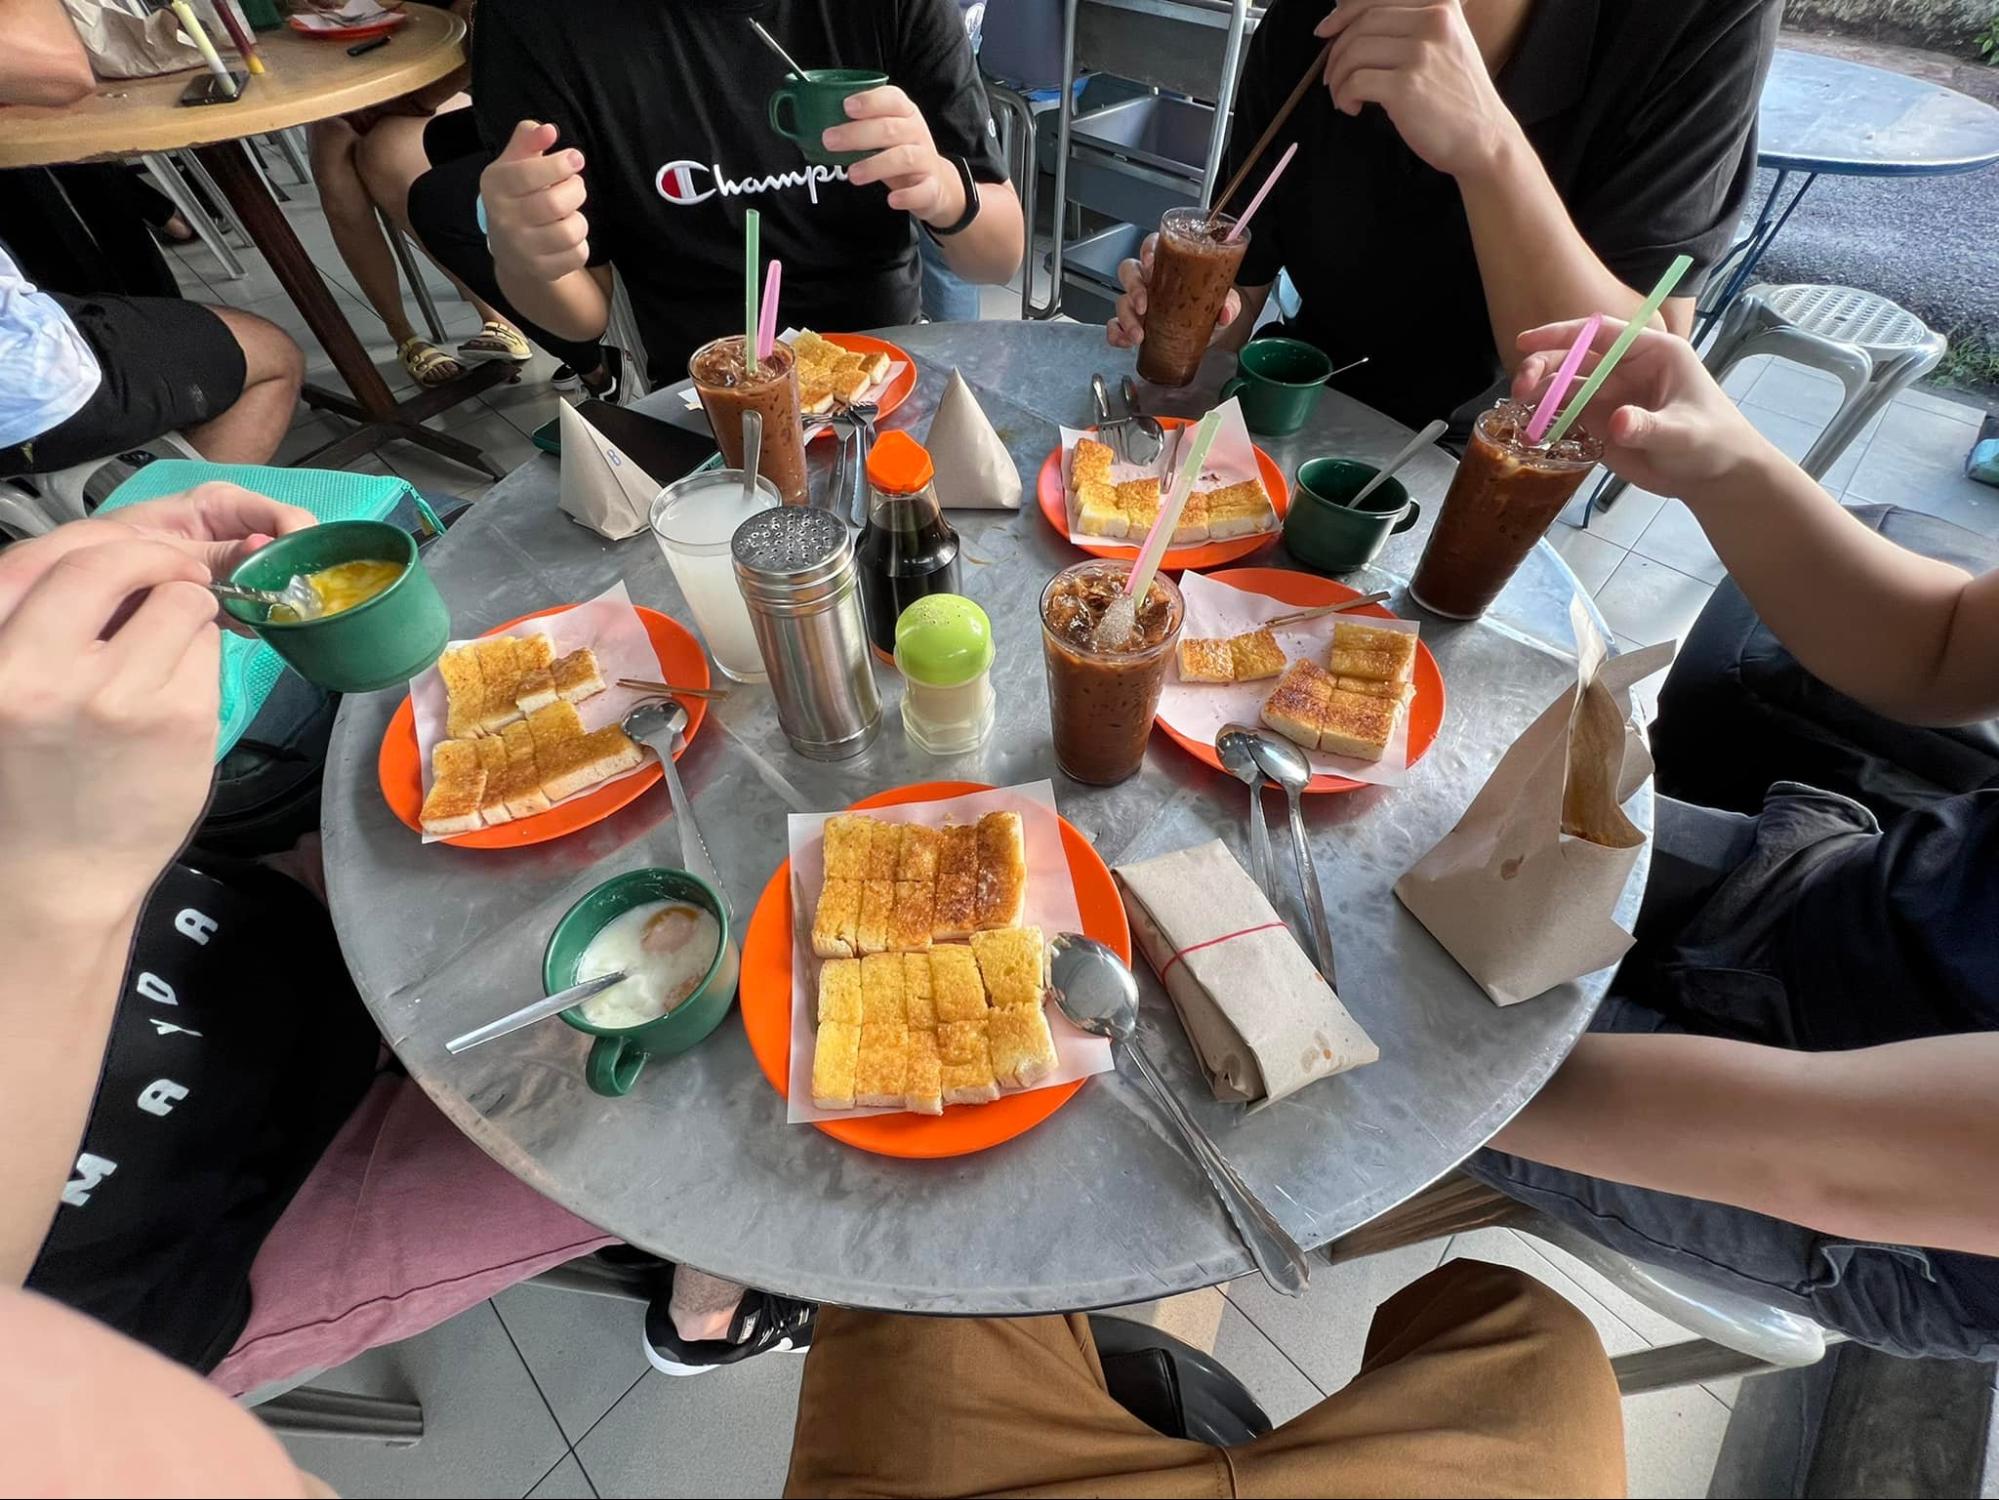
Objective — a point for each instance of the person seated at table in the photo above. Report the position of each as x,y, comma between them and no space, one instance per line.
355,176
1789,1090
84,378
1474,168
637,137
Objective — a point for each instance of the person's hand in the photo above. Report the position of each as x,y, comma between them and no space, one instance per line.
1418,60
534,205
107,722
1666,426
886,122
1126,329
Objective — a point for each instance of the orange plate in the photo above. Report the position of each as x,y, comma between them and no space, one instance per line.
1052,493
898,388
1426,710
765,997
682,661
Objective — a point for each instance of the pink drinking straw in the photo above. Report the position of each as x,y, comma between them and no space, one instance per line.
1551,403
767,324
1242,219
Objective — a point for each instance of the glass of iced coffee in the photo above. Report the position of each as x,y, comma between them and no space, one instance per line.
727,388
1506,494
1193,267
1101,699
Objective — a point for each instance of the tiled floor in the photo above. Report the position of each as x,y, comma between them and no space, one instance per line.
546,1393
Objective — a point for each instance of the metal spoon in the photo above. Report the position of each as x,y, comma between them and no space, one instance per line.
1235,747
753,452
298,596
527,1015
1422,439
1113,430
660,725
1096,991
1285,764
1147,439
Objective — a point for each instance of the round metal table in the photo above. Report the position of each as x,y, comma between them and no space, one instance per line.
1098,1206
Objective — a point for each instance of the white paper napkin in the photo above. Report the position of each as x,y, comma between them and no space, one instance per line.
601,488
974,470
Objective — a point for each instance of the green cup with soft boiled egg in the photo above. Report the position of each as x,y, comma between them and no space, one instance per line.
670,932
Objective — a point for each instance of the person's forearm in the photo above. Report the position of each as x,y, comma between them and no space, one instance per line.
575,307
1535,266
58,993
988,250
1911,637
45,62
1892,1144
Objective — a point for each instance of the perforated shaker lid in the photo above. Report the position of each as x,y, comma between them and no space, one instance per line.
792,555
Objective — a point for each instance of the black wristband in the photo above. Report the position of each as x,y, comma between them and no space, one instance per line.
972,201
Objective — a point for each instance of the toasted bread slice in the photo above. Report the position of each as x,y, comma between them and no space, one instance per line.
1021,1046
1370,651
881,1071
1356,724
599,755
1256,655
884,850
577,676
840,991
1239,510
877,911
1139,500
1011,965
915,908
1193,527
956,993
918,999
1097,512
956,913
967,1071
835,1057
876,364
500,665
1205,660
554,726
923,1086
815,392
917,855
812,349
534,651
1294,705
848,836
1090,462
1401,692
849,376
464,692
524,795
881,990
959,852
535,690
458,785
837,920
1001,888
493,761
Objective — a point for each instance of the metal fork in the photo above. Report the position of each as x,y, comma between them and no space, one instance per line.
1116,431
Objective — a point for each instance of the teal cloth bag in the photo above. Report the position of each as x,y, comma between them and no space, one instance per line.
250,669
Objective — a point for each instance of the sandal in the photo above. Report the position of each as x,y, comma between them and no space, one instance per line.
494,342
427,364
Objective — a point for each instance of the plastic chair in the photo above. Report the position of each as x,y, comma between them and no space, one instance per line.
32,504
1734,1334
1875,347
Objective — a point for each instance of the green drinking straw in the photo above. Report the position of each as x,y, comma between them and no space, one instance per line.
1640,320
752,229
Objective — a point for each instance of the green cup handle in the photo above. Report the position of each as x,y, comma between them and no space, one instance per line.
614,1066
1233,384
782,97
1410,517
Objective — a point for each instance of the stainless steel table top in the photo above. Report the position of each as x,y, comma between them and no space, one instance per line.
1099,1205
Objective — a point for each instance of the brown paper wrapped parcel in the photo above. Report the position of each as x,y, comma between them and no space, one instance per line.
1523,891
1263,1022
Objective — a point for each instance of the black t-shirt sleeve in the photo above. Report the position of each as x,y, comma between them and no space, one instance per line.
935,67
1278,54
1678,179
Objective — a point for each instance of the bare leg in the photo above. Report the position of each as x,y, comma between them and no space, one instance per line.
390,157
250,431
350,214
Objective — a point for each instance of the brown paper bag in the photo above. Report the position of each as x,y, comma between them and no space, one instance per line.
1523,891
122,45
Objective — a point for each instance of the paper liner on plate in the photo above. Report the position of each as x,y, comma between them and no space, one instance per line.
1231,460
691,398
1199,710
1051,906
608,625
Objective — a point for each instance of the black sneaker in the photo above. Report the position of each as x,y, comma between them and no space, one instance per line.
565,378
762,1324
611,392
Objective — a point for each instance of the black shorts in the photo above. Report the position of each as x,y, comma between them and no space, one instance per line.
453,134
167,365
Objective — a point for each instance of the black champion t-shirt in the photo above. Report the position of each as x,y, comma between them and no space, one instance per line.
668,100
1643,113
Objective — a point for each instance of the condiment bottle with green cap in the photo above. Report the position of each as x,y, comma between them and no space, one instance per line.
944,650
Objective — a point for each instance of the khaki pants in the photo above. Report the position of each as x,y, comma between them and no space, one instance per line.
1477,1381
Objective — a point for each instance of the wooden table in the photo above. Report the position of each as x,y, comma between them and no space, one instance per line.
307,80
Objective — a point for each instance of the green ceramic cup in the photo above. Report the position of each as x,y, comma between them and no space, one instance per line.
1325,531
619,1052
804,109
381,642
1279,381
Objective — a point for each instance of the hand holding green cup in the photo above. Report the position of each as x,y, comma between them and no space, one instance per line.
804,107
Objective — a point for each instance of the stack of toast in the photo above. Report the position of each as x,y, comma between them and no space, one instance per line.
830,376
899,887
1249,657
517,744
1107,508
918,1031
1351,705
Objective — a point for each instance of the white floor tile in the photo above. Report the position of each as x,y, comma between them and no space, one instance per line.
566,1481
1626,519
1671,1441
1797,391
1648,601
1593,558
585,1352
724,1433
1194,1318
1324,1331
1743,377
1675,538
1278,1385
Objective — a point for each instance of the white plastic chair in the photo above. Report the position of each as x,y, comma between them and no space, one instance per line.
33,504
